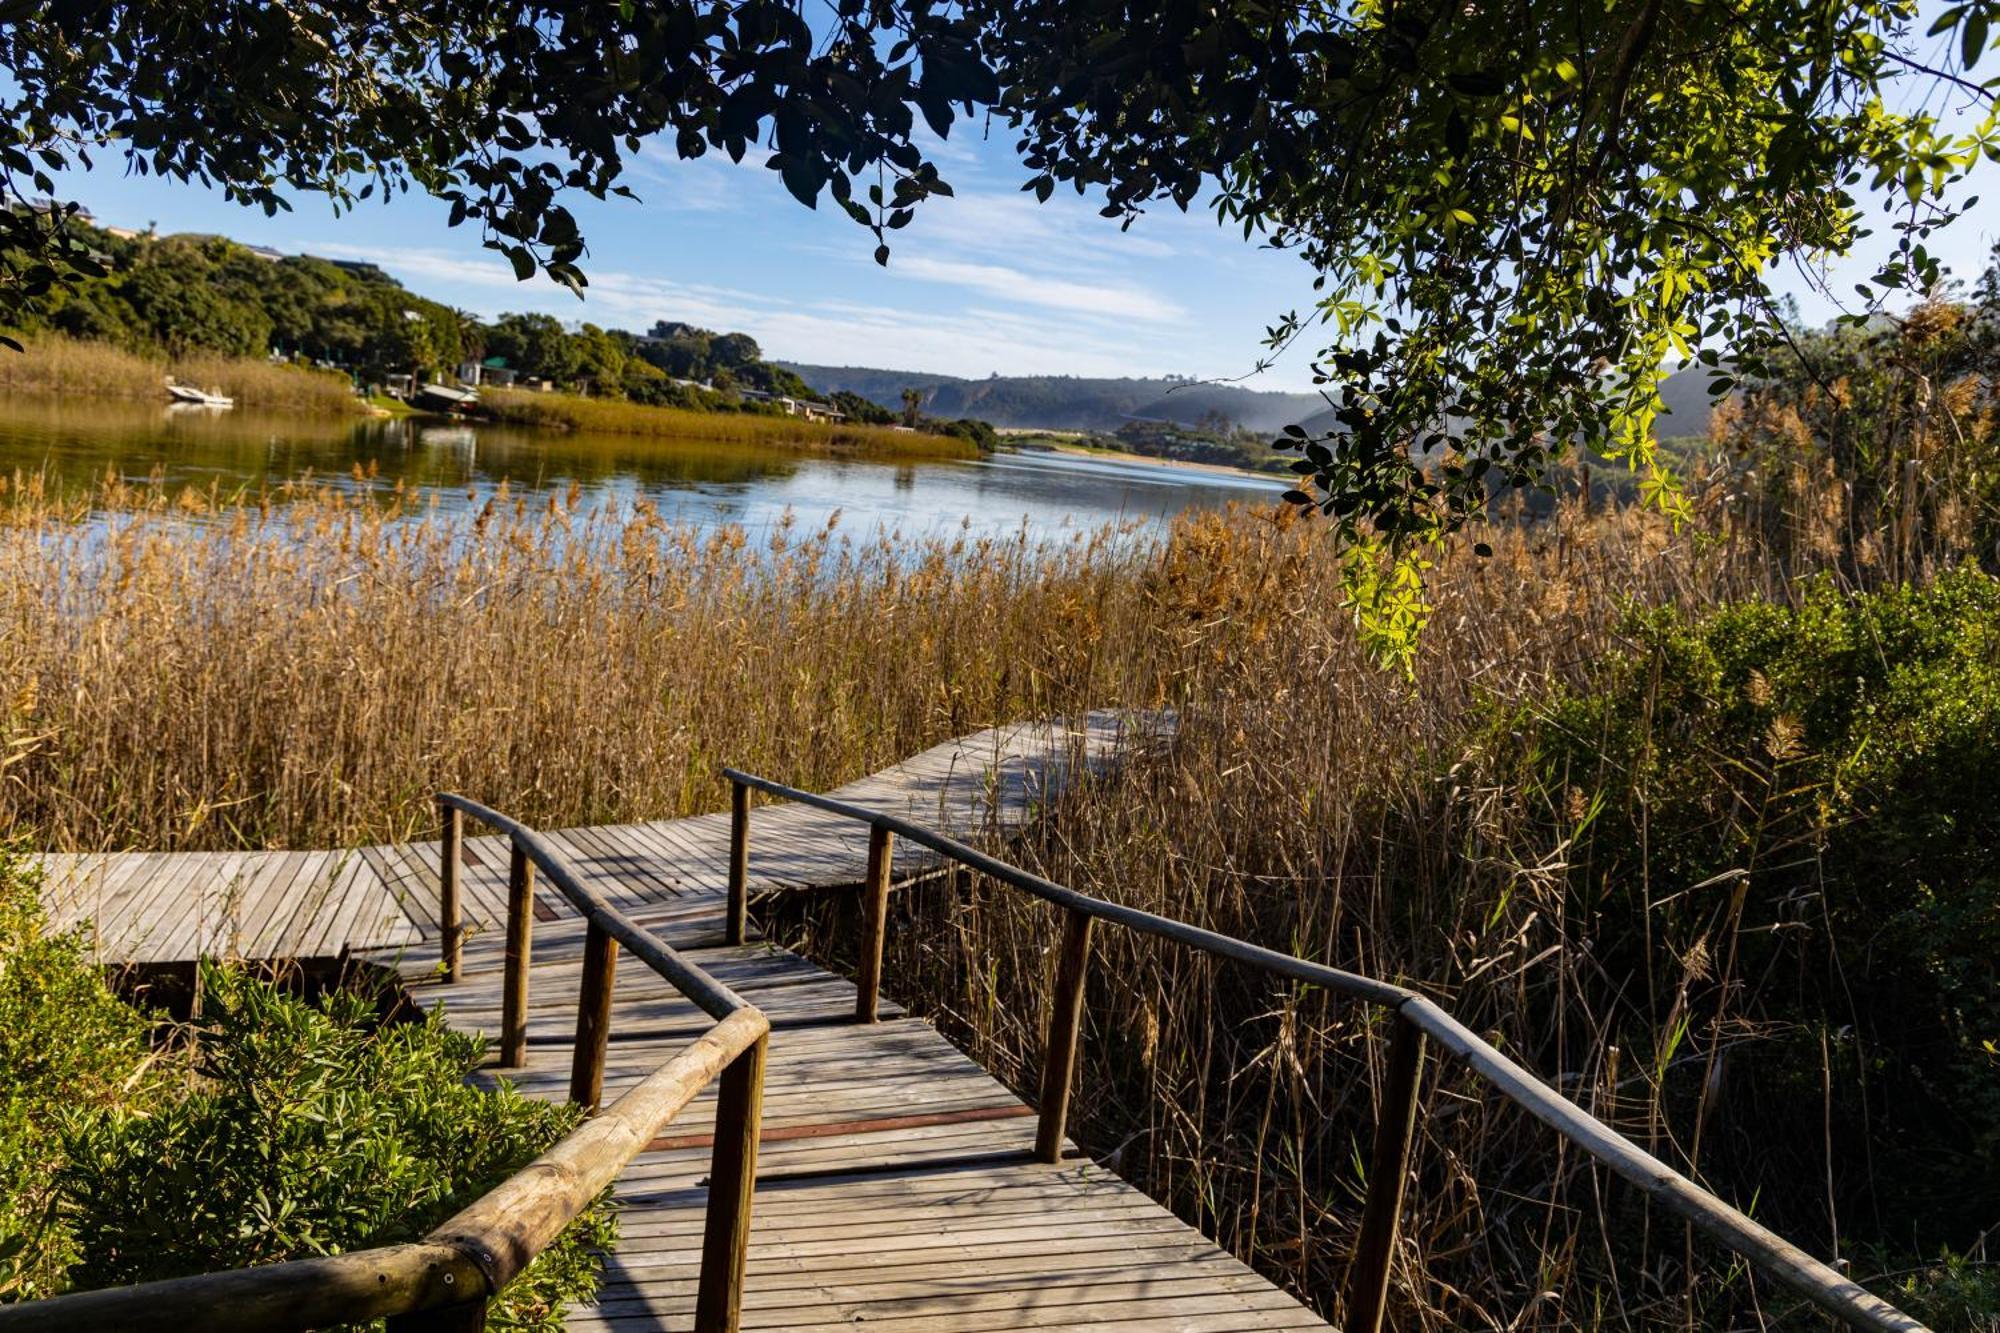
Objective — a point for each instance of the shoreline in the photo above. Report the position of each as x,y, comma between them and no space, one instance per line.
1126,456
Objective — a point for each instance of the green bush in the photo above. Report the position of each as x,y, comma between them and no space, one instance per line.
277,1129
312,1130
68,1047
1836,1013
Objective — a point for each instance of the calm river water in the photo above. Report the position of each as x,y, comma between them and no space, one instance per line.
705,484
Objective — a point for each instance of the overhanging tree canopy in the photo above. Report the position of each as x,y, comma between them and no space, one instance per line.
1517,214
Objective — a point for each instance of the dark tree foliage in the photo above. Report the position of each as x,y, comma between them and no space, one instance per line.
1518,213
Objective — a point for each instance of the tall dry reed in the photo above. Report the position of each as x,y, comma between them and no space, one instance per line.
610,416
309,670
55,366
1319,806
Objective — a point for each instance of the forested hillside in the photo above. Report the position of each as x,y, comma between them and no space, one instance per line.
1066,402
187,294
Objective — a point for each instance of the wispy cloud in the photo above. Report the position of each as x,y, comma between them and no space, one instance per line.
1064,232
964,341
1113,301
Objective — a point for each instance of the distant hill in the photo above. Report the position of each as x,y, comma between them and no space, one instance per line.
1685,394
1688,403
1066,402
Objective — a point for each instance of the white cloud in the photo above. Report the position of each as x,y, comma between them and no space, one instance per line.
1113,301
967,341
711,183
1065,232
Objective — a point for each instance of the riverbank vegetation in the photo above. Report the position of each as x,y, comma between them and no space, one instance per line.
138,1148
571,412
1586,826
56,366
219,311
1696,821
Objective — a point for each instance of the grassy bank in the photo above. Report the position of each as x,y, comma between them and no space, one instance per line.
54,366
564,411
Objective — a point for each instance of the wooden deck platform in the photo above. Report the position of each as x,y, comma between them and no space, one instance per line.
895,1186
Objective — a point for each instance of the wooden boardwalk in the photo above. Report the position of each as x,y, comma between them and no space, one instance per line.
895,1184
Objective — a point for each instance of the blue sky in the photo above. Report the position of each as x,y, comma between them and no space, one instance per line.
986,282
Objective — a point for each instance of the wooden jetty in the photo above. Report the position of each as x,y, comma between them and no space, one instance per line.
382,902
896,1187
789,1151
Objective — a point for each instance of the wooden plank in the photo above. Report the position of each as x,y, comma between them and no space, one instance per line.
308,894
266,898
158,907
211,901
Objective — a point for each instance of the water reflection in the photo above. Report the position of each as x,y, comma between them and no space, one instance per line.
461,465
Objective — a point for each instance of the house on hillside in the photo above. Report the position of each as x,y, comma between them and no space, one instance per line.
810,409
269,254
361,268
493,372
47,205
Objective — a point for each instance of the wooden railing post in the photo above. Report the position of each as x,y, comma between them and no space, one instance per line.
1065,1022
520,943
874,924
732,1180
739,862
451,924
593,1017
1388,1172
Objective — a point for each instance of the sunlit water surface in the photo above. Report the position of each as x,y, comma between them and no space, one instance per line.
707,485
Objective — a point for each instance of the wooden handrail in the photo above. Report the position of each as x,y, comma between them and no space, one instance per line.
445,1280
709,995
740,1100
1844,1299
468,1259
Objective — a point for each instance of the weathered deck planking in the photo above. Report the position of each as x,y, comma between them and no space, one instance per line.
150,907
896,1187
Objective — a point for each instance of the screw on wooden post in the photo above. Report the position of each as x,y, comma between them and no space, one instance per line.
593,1018
1065,1022
739,863
520,943
451,925
732,1180
1388,1173
875,924
467,1318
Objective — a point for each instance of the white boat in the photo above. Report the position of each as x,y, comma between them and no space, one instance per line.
193,397
443,398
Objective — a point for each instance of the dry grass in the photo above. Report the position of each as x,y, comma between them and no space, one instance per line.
1321,807
54,366
308,673
563,411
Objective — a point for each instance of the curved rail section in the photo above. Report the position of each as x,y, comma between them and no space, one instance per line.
445,1281
1418,1022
